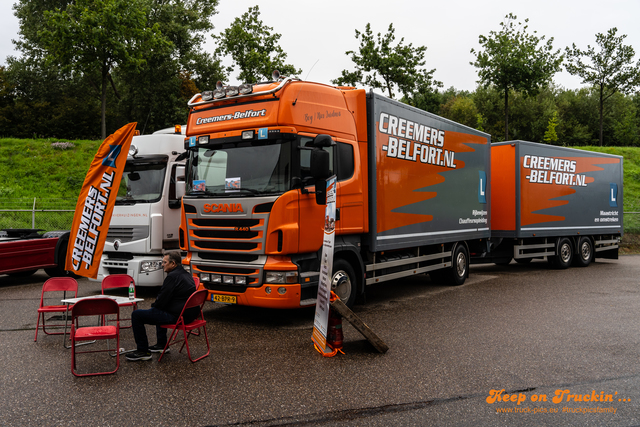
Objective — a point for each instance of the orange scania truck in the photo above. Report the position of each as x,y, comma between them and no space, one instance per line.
413,194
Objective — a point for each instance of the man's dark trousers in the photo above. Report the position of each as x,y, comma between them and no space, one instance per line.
152,316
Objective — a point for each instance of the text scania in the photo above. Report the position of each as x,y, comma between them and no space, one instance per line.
223,207
553,170
84,244
415,141
235,116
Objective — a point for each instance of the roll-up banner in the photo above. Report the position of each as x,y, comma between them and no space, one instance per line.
321,320
95,203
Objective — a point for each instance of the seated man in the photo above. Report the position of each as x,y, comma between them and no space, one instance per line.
176,289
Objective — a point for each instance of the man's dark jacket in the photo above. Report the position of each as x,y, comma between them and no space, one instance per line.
176,289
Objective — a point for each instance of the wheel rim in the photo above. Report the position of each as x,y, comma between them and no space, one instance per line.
585,251
565,253
341,285
461,264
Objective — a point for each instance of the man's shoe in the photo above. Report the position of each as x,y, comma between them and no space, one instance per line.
139,355
158,349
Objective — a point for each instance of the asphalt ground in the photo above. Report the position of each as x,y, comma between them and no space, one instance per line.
524,329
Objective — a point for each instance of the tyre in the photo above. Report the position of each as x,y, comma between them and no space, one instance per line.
505,261
564,254
457,274
344,283
61,257
523,260
585,252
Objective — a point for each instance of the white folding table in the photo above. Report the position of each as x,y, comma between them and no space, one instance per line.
69,301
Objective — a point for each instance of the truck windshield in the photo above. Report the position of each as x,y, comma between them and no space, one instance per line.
251,167
142,181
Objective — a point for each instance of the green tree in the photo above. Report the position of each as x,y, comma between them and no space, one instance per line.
513,59
92,37
551,136
425,94
610,69
156,95
578,117
488,101
383,64
253,48
530,114
461,109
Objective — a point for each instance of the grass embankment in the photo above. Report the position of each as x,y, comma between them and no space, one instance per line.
54,169
44,168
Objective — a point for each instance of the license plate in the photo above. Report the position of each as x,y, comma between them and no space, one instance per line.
224,299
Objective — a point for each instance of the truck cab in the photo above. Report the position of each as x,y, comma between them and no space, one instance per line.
146,216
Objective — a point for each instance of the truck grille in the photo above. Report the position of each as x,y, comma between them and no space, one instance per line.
227,234
228,252
234,246
127,234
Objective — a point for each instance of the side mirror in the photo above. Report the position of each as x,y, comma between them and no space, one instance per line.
322,140
180,189
319,164
177,188
321,191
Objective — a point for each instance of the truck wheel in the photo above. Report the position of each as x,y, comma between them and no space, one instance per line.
61,256
343,282
585,252
460,266
564,255
523,260
502,262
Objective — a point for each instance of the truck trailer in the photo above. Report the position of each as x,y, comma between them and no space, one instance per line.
414,194
146,215
24,250
555,202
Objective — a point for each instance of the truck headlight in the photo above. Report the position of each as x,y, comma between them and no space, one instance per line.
149,266
272,277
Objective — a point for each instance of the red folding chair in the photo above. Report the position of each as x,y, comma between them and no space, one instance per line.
60,285
120,281
94,307
197,299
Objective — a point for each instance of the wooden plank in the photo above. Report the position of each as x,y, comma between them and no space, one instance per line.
357,323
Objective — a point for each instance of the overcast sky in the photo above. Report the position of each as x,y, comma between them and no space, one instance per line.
319,32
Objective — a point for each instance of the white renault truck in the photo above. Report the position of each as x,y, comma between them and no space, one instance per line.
146,217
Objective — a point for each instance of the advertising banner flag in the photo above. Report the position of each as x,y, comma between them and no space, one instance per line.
95,203
321,320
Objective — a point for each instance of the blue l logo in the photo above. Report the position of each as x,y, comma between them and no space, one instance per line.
613,195
263,133
482,187
110,160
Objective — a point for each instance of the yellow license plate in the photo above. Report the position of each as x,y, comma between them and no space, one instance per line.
225,299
